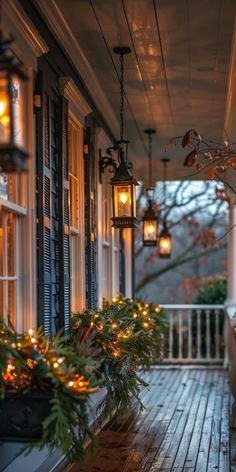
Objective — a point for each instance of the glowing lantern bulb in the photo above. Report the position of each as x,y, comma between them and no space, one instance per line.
151,229
123,198
3,107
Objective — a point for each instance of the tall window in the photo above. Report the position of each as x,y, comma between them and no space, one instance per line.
9,276
76,174
12,215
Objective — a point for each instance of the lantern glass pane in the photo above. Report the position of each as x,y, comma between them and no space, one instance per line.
5,125
123,200
165,245
134,200
150,230
18,111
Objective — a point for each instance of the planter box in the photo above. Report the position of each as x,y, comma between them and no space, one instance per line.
21,416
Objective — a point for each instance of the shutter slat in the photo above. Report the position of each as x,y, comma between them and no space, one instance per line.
63,229
90,212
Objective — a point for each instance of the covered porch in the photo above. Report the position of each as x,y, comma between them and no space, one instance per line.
59,252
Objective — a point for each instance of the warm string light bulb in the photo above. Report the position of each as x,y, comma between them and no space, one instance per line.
9,375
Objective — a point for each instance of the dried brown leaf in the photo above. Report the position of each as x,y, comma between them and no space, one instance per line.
187,141
211,173
190,159
231,161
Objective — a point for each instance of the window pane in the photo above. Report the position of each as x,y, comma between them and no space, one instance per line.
74,179
10,228
11,188
8,275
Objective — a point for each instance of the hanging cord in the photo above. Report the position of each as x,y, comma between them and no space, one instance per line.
121,97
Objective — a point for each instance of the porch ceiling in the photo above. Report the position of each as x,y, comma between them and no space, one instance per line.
176,77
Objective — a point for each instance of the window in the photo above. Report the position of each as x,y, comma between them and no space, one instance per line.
13,220
76,175
9,263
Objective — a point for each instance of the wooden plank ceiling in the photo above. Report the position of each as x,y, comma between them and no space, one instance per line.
176,77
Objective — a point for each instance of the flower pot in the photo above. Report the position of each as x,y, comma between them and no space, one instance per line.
21,416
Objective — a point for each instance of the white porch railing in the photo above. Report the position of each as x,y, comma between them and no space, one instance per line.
195,334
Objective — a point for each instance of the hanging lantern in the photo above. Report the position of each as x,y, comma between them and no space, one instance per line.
149,220
150,223
123,195
123,183
12,122
165,243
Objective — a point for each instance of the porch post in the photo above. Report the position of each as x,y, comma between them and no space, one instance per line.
231,257
230,327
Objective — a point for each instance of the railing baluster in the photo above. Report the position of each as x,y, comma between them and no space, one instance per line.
190,339
199,334
180,337
190,347
171,314
208,340
217,337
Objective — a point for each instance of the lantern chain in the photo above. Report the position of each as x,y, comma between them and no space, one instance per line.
150,159
121,97
164,181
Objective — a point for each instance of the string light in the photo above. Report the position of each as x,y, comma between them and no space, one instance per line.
9,376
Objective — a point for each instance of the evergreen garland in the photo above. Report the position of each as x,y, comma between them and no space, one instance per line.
31,362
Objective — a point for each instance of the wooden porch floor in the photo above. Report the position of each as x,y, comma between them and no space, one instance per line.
185,427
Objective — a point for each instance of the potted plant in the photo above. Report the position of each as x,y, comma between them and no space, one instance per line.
45,390
123,336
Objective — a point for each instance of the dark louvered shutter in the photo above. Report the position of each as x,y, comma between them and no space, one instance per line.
90,213
52,204
64,241
44,208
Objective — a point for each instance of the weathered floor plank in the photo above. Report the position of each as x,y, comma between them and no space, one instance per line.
185,427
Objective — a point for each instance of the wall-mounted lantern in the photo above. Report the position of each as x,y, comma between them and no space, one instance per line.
12,122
